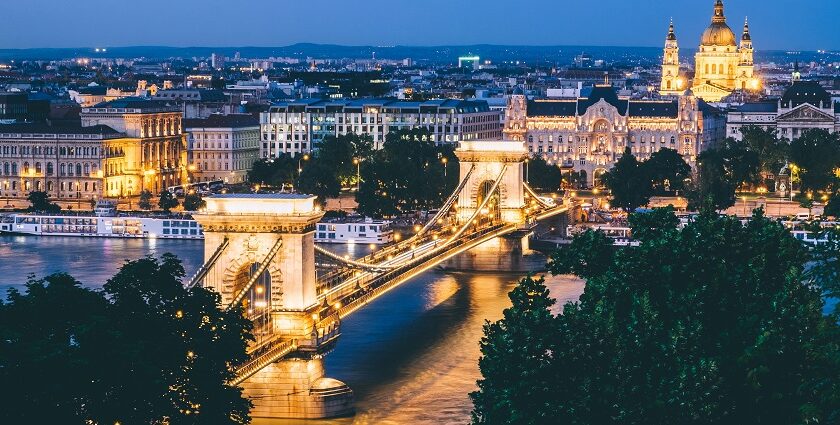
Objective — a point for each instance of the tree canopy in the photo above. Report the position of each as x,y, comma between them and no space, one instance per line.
40,201
629,182
144,350
817,155
714,323
407,174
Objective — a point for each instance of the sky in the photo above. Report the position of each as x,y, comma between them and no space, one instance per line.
775,24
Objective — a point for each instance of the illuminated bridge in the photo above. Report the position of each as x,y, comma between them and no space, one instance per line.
260,254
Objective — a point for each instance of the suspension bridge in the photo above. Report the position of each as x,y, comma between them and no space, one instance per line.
261,256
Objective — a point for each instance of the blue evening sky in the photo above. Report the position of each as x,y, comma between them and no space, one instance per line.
775,24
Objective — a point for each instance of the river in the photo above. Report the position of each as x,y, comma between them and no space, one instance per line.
411,356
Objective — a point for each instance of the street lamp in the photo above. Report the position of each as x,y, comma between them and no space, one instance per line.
305,157
526,170
358,174
444,160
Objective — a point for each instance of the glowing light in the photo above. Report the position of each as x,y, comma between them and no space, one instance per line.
259,289
417,227
190,354
179,314
260,304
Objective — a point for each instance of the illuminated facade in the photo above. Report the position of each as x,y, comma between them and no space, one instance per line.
298,127
721,65
66,162
589,134
154,158
804,106
222,147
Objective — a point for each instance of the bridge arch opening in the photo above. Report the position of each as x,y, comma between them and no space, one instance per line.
598,177
492,211
257,302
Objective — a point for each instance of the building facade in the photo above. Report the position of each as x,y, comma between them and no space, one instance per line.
805,105
68,163
297,127
156,158
590,133
222,147
721,64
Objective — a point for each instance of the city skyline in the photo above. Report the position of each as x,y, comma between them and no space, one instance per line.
775,24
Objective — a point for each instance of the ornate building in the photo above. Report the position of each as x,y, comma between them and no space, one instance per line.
721,65
805,105
153,157
589,134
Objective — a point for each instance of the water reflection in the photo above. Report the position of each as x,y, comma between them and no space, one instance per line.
410,357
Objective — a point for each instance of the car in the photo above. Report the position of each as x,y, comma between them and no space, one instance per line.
803,216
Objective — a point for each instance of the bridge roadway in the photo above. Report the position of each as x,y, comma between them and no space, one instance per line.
351,288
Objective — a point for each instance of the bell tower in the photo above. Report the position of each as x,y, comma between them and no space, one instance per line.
672,83
744,77
516,115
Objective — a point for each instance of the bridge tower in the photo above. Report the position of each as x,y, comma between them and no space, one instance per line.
484,162
259,252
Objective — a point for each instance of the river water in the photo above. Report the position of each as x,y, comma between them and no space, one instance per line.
411,356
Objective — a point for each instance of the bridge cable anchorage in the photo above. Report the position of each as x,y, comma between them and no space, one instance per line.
266,354
201,273
444,209
257,273
353,263
535,196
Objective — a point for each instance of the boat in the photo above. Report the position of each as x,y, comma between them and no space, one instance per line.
354,230
104,222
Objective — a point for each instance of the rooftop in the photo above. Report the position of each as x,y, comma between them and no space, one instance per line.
103,130
223,121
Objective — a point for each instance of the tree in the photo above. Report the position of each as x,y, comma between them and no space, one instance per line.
771,151
145,200
193,202
320,180
274,171
40,201
167,200
720,172
542,175
515,359
629,182
144,350
817,155
714,323
390,183
667,170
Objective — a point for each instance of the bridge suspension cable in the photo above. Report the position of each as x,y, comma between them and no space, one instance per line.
478,210
257,273
535,196
352,263
201,273
444,209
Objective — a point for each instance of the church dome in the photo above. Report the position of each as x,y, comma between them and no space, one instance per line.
718,33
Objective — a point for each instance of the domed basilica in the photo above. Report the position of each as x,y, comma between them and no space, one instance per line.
721,65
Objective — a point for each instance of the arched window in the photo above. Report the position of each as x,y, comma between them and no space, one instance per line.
38,167
668,84
530,139
78,169
87,169
50,169
63,169
69,169
714,68
49,186
26,168
673,140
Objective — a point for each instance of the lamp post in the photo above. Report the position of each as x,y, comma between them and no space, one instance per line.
358,174
527,160
305,157
445,162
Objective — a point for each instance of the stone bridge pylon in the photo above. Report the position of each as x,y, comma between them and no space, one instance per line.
260,253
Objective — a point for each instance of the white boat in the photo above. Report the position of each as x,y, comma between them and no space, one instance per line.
352,231
105,222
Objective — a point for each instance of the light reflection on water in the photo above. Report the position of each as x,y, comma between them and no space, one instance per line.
411,356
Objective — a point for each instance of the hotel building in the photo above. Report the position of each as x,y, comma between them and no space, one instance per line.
222,147
297,127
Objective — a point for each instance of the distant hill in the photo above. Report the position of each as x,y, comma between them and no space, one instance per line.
561,55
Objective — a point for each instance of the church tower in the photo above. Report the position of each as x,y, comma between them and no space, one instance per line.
516,115
744,76
672,83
